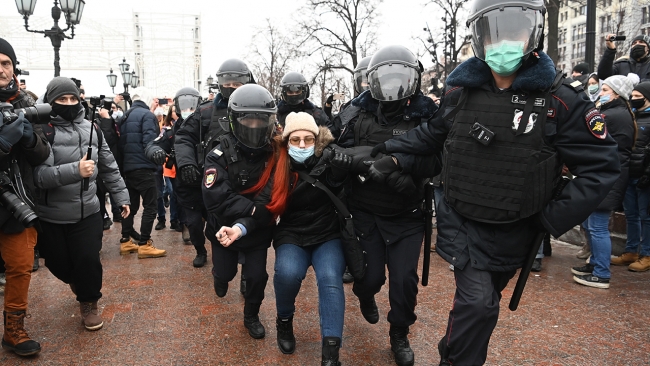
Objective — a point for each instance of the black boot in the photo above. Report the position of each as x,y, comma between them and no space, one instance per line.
36,264
15,337
347,276
443,350
220,288
399,344
286,340
331,347
252,321
200,260
369,310
160,225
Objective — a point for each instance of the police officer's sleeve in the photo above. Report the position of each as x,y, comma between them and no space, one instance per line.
588,151
606,67
187,137
164,142
219,196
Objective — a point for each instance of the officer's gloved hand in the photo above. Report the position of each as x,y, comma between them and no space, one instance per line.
28,139
190,174
382,168
158,157
379,148
340,165
402,183
11,133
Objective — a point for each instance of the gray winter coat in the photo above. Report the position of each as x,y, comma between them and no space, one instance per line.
63,200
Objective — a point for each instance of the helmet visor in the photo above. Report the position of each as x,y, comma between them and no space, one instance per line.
230,78
393,81
294,93
253,129
508,25
187,103
360,81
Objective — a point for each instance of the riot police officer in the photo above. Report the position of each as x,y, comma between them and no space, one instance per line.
295,91
506,126
197,135
387,213
161,151
232,169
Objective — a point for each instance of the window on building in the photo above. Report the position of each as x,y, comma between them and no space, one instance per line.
581,31
583,10
644,15
581,49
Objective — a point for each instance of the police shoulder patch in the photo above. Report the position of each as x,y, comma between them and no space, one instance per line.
210,177
217,151
596,124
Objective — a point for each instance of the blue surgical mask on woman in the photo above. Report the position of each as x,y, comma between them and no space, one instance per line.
300,155
604,99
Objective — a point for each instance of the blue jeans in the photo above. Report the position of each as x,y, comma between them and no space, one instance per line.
597,231
638,221
169,191
291,264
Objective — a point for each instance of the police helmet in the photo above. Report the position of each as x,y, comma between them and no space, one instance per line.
295,88
359,78
393,74
514,23
186,101
251,114
233,73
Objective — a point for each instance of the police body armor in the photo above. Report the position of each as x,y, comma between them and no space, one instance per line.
211,130
242,173
376,197
496,167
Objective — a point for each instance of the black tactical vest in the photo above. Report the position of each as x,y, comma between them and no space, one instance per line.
511,174
242,173
374,197
211,130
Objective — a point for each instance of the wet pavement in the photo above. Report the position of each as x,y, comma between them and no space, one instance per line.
163,311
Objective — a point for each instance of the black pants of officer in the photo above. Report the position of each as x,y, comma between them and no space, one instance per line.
195,224
224,269
401,258
474,314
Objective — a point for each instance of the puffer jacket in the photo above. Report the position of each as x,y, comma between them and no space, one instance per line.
638,160
63,200
138,129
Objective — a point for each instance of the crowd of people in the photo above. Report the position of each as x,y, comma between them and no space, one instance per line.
509,152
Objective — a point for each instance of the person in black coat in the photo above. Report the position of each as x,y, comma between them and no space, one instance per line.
638,62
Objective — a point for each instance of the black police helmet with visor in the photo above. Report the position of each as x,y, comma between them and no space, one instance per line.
251,113
232,71
393,74
295,88
359,78
504,33
186,101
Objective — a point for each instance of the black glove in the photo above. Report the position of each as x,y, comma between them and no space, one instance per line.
380,148
28,138
158,157
382,168
190,174
402,183
341,161
11,133
329,99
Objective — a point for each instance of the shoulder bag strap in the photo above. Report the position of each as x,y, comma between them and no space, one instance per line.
340,206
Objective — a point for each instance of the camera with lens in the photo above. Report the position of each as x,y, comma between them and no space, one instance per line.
97,101
39,113
14,204
616,38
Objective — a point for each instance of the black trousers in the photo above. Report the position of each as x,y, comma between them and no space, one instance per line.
254,270
71,253
474,314
196,226
401,258
141,183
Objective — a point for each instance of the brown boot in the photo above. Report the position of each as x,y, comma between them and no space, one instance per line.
90,316
641,265
625,259
127,247
15,337
149,251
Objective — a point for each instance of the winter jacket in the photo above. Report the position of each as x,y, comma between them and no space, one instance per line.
62,199
139,128
638,160
620,125
623,66
306,106
310,217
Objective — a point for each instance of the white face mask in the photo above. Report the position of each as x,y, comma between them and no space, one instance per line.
117,114
158,112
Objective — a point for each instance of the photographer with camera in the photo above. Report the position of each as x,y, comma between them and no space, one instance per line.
638,62
109,126
20,150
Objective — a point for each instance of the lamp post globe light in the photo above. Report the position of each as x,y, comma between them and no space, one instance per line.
112,80
71,9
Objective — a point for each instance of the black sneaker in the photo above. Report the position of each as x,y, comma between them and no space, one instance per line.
107,223
220,288
369,310
200,260
255,328
347,276
537,265
587,269
592,281
160,225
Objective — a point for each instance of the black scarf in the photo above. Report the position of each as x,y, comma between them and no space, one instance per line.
10,91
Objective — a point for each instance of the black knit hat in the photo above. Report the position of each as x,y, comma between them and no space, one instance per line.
6,49
60,86
642,38
644,88
582,68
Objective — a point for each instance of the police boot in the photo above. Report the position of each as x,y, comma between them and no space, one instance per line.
220,288
252,321
331,347
443,350
399,344
15,337
369,310
286,339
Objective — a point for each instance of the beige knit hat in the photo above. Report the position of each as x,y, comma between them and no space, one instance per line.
299,121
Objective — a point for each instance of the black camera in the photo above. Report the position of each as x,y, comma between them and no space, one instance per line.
14,204
616,38
39,114
97,101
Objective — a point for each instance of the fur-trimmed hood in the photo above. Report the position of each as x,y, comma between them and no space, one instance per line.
323,139
418,106
475,73
220,102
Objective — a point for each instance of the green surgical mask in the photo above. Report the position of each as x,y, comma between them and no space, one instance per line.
505,57
593,89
